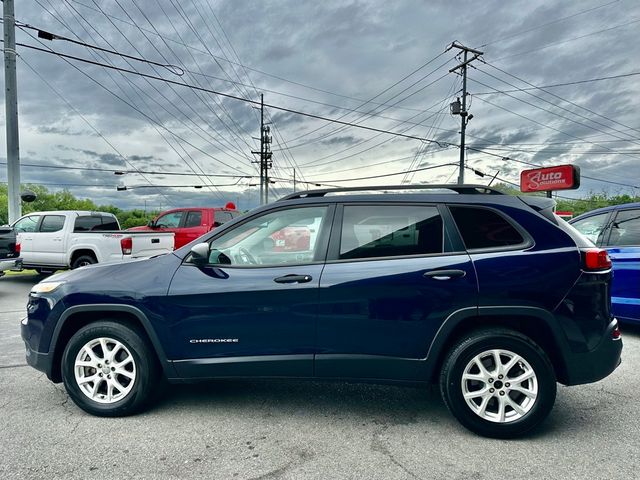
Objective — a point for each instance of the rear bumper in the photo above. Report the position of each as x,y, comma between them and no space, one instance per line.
10,264
597,363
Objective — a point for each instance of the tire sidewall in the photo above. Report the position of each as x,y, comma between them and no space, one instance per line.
83,258
458,361
141,356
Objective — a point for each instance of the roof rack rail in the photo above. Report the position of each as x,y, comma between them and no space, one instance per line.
461,189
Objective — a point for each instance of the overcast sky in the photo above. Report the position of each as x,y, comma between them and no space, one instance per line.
338,59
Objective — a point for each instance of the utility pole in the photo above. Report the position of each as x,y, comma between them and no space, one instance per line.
456,107
11,108
266,142
294,179
265,156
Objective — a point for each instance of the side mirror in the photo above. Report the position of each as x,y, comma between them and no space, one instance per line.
200,254
151,224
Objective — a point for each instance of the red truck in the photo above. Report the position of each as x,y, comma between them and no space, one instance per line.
190,223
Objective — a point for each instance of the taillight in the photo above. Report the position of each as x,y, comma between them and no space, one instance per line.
18,249
595,259
126,244
615,333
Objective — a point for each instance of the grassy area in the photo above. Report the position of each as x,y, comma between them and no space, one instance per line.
23,272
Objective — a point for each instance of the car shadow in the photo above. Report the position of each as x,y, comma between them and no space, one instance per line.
387,404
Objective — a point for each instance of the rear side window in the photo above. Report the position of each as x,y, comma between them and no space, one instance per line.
109,223
390,231
483,228
625,230
87,224
194,219
52,223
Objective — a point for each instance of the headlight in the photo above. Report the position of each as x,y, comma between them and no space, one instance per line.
45,287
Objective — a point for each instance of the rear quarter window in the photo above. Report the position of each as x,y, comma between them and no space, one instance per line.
482,228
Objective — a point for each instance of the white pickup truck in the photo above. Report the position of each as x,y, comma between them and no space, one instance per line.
72,239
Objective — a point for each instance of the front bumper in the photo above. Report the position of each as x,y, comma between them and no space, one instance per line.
598,363
39,360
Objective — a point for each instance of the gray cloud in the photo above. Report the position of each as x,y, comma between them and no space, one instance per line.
348,52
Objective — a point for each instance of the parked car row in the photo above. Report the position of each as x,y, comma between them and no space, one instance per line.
187,224
71,239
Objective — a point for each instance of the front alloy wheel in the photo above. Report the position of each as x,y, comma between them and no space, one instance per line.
105,370
110,369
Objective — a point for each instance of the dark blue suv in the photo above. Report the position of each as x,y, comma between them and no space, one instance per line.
491,296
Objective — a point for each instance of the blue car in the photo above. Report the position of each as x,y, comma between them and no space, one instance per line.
617,229
490,296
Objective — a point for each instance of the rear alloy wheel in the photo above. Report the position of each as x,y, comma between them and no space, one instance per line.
498,383
109,369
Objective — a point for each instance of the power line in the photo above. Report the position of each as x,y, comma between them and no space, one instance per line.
189,25
577,82
562,99
636,20
314,163
44,34
90,125
522,32
555,113
364,115
504,157
195,49
155,122
234,135
135,88
254,102
117,171
64,56
545,125
387,174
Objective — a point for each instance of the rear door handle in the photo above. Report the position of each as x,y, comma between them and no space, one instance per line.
444,274
293,278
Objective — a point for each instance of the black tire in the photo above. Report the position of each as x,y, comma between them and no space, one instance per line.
147,370
83,260
497,338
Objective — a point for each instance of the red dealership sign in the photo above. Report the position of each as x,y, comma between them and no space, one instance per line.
562,177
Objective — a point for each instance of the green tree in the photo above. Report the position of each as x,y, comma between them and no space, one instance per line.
65,200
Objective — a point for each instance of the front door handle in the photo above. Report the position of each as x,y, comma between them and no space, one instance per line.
444,274
293,278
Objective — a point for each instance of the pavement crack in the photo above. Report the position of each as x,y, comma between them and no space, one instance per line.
16,365
377,445
303,456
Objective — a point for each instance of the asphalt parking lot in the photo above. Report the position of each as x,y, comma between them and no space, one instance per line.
255,429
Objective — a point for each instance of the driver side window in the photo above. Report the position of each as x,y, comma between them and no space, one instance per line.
27,224
277,238
169,220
